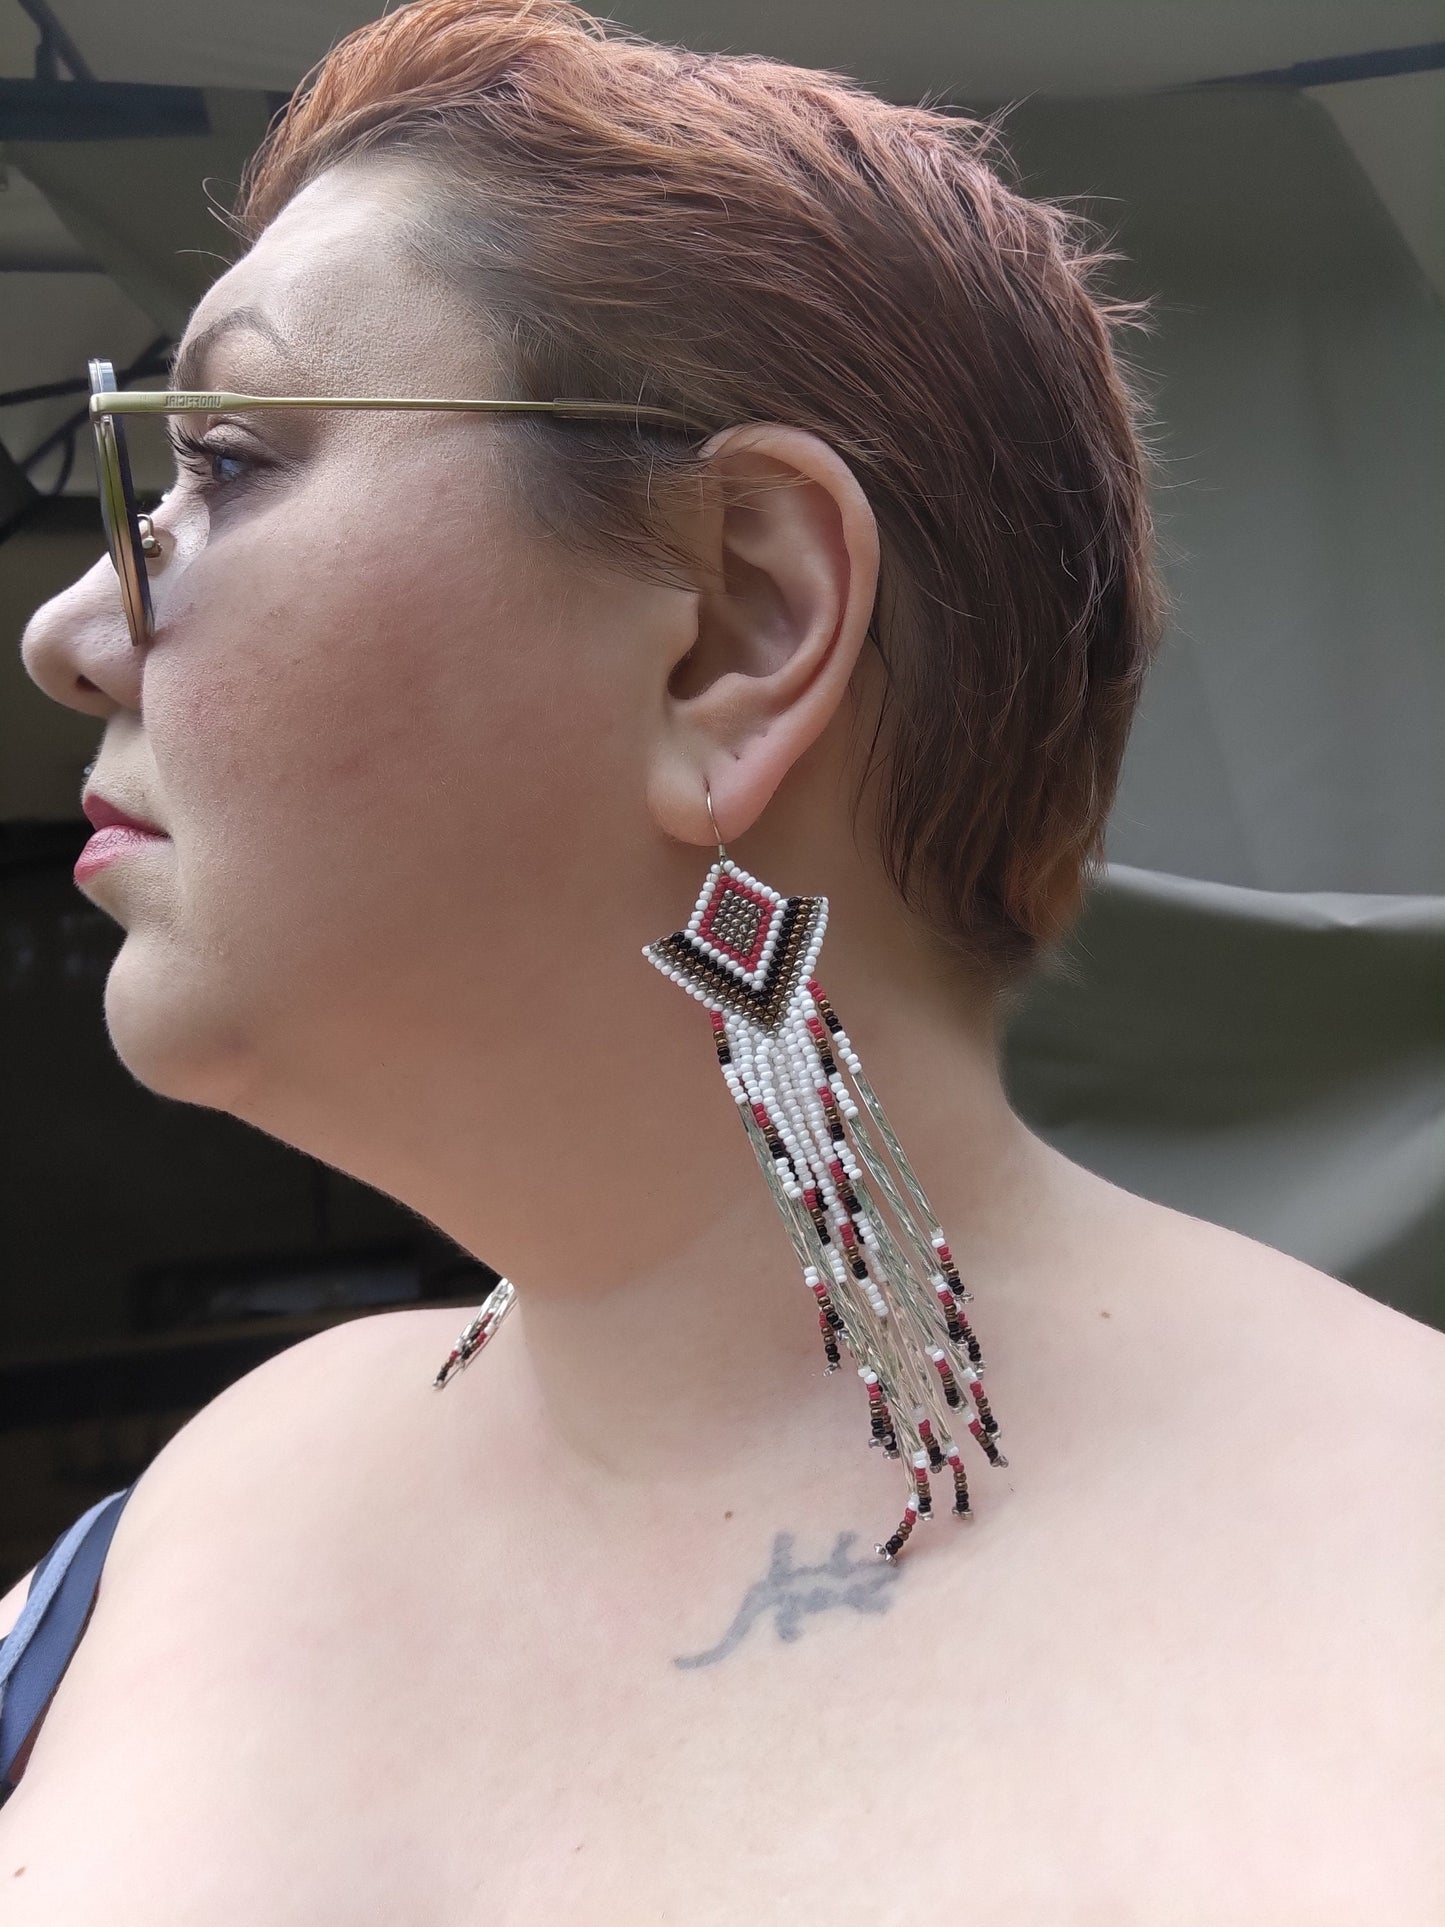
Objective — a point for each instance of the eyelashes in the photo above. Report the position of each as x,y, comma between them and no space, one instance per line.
200,458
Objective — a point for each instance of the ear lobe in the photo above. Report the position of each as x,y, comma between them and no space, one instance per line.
779,628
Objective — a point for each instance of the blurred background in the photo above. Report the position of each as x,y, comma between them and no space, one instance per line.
1249,1021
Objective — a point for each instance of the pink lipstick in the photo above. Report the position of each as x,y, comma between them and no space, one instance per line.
116,833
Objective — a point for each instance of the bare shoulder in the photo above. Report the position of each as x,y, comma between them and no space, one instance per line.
293,1433
299,1403
1313,1303
1297,1323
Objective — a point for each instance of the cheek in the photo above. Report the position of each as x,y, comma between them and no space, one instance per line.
378,740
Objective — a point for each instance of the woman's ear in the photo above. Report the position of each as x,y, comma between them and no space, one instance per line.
791,546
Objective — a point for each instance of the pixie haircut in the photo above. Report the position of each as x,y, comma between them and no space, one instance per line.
749,241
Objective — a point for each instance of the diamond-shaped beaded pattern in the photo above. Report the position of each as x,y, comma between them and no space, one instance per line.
745,949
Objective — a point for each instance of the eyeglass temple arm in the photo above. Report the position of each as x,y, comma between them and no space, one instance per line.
146,401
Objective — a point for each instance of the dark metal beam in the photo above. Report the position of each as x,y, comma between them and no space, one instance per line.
55,40
98,110
106,110
1380,64
82,110
51,255
18,499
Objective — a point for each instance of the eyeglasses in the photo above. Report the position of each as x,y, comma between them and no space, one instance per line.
130,533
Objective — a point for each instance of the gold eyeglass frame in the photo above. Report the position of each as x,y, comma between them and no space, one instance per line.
130,542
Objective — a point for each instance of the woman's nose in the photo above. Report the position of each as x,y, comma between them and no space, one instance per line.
78,648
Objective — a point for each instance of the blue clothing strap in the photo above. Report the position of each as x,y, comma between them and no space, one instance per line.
36,1651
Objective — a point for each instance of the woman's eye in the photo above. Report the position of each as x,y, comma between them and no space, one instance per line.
225,468
214,466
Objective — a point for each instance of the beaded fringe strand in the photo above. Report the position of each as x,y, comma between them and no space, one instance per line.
897,1303
498,1304
890,1292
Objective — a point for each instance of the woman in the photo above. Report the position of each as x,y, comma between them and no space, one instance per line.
440,718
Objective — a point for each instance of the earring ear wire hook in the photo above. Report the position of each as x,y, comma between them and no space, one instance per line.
722,853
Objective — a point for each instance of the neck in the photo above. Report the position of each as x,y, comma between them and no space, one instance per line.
662,1328
585,1145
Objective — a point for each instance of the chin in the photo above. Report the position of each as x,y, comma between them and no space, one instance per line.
172,1031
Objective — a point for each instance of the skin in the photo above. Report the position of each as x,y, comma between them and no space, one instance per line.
500,756
431,782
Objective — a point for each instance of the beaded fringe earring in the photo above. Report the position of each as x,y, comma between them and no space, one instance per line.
498,1304
890,1292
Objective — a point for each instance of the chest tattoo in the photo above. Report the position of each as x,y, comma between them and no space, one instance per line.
790,1592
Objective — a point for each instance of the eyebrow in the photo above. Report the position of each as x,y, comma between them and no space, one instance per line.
188,364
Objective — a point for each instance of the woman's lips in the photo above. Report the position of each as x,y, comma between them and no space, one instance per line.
116,839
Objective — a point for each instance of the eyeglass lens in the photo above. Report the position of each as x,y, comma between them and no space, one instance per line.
118,508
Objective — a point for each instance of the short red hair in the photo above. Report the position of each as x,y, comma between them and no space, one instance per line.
747,240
